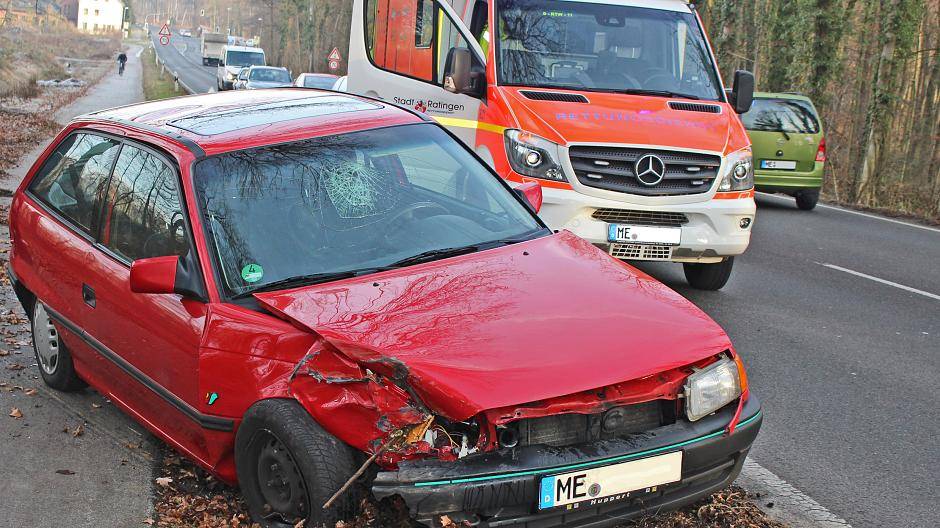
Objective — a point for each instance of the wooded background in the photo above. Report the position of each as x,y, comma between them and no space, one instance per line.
871,66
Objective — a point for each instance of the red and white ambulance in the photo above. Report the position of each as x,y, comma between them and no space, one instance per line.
615,107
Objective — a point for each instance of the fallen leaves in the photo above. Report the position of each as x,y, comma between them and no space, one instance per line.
16,413
30,392
15,367
78,431
164,481
65,472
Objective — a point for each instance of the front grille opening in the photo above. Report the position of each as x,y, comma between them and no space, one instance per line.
563,430
614,169
644,218
554,96
695,107
641,251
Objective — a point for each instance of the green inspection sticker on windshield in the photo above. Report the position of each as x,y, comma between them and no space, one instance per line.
252,273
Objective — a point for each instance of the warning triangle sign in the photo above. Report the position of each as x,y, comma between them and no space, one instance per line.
165,30
335,56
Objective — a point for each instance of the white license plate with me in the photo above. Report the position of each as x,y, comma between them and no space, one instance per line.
644,234
608,483
778,164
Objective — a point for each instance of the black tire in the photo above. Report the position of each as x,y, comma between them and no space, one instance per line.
278,441
709,277
58,373
807,200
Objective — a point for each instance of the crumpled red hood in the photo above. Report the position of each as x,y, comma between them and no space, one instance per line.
546,318
623,119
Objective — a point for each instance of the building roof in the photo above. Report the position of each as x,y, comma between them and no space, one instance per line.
247,118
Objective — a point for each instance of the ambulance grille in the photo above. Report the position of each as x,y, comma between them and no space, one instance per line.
641,252
643,218
563,430
613,169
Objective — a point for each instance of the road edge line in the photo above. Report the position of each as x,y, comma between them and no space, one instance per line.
859,213
790,505
879,280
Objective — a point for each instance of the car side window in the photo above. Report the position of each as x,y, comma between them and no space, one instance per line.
448,37
411,57
75,177
143,217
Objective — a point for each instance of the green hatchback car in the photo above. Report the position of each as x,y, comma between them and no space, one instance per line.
789,146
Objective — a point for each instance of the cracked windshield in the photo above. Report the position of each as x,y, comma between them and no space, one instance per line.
591,46
348,203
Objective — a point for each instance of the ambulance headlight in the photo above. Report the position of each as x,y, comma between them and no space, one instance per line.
534,156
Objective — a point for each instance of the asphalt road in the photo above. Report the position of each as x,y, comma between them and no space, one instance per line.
848,368
183,56
838,317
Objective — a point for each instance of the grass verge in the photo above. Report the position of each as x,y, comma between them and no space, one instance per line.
157,85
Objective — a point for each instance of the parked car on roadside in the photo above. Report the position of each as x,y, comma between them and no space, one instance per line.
287,285
240,79
323,81
261,77
789,146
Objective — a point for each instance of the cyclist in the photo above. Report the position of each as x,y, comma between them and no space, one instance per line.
122,60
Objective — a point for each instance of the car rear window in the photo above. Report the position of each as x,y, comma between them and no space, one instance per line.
782,115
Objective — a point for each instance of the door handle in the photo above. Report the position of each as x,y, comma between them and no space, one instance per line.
88,295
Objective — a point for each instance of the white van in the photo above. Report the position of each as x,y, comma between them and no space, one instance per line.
615,107
234,58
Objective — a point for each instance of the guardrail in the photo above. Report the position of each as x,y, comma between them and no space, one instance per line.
177,82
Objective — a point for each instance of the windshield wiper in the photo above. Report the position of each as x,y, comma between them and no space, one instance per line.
657,93
309,280
442,253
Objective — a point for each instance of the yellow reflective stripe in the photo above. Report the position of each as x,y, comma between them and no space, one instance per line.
469,123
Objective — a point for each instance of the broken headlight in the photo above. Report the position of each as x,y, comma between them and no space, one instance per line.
712,388
531,155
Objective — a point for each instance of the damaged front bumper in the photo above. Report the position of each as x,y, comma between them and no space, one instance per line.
501,488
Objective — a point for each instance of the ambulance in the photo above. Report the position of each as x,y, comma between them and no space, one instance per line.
615,107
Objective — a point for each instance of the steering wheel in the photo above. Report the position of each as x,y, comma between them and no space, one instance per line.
659,74
408,212
169,243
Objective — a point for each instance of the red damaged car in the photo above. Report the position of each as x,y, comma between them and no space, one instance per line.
316,295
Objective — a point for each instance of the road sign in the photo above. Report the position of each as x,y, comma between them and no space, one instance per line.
334,59
165,34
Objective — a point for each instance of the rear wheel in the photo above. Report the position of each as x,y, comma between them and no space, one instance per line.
709,277
288,467
807,200
55,361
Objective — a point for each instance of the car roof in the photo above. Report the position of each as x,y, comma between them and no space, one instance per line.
259,67
232,47
234,120
781,95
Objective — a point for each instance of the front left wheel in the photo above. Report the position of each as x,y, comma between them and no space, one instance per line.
54,359
709,277
288,467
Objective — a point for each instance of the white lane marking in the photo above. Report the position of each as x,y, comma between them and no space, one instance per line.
791,506
882,281
141,50
859,213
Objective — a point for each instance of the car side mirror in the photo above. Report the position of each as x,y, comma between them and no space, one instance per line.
742,94
168,275
531,192
154,275
459,76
